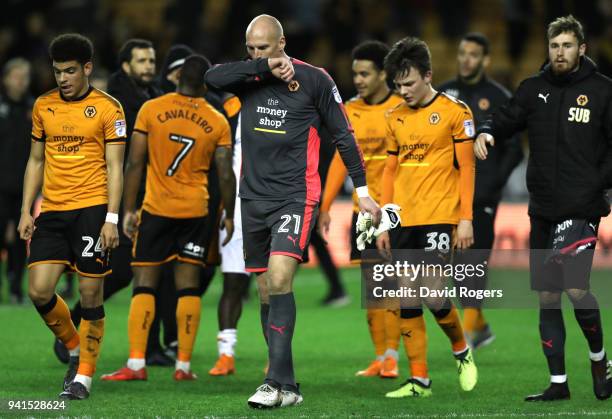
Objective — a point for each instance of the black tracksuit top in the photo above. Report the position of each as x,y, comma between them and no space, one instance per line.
569,124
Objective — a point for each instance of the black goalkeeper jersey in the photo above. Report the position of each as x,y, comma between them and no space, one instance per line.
280,125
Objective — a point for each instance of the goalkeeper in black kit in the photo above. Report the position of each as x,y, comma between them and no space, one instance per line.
284,103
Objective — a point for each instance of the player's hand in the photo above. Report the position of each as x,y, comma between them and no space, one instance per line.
109,236
282,68
130,224
464,236
383,243
368,205
480,145
26,226
228,223
324,222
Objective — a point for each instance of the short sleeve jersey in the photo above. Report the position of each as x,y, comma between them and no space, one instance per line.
427,180
369,125
75,134
183,133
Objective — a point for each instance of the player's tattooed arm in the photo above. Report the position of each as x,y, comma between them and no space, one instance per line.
109,236
227,181
133,174
32,183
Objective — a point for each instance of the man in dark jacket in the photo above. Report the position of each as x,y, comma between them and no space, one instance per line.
483,96
567,111
15,129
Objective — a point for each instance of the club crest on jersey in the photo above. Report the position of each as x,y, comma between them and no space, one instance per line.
582,100
336,94
120,128
468,128
90,111
293,86
484,104
434,118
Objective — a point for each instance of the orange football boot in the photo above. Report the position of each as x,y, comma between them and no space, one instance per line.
389,368
180,375
223,366
126,374
373,369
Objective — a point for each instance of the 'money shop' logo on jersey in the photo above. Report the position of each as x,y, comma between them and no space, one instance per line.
273,119
67,143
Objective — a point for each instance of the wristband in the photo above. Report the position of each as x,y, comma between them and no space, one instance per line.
362,192
112,218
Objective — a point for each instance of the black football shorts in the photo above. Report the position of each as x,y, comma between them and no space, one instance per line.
71,238
275,228
434,242
549,275
162,239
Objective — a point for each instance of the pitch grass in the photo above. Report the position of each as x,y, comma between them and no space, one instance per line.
329,346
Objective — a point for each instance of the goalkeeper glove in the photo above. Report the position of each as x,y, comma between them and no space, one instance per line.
366,231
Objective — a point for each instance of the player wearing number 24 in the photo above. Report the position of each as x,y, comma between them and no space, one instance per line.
78,135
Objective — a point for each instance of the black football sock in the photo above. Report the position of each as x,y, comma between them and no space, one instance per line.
281,322
587,314
552,333
264,311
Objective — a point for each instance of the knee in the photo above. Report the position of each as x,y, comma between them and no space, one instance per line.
40,295
141,280
91,294
435,303
576,295
278,283
549,299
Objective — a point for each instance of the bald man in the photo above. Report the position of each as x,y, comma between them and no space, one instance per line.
284,103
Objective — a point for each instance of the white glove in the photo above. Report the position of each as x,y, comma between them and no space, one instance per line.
364,238
389,219
366,232
364,222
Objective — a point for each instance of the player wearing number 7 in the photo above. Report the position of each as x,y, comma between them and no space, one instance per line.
178,134
425,135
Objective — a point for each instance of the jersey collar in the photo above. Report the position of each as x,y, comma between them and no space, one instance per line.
76,99
386,98
433,99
